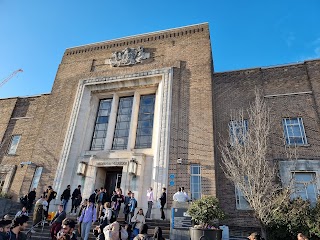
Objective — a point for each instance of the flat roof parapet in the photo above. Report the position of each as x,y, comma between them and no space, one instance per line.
139,39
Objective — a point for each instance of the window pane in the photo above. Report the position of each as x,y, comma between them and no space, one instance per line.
121,134
237,131
241,201
15,139
101,126
305,186
145,122
36,178
294,131
195,182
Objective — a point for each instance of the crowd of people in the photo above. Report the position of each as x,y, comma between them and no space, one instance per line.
100,207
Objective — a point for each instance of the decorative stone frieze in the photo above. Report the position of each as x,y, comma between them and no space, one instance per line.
128,56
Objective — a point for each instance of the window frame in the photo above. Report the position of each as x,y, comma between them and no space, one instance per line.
192,192
234,126
312,182
12,149
115,146
286,130
92,148
241,201
36,178
138,135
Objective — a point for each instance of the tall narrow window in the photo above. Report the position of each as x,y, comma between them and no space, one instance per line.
305,186
294,131
238,131
15,139
2,180
101,126
36,178
195,182
121,133
145,121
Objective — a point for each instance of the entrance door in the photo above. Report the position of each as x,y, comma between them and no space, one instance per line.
113,179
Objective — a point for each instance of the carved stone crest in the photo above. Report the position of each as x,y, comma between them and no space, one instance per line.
128,56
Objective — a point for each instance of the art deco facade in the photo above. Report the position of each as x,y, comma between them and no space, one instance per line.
148,111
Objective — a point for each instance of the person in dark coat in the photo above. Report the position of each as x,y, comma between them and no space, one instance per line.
57,221
65,196
126,209
163,201
76,196
116,201
31,197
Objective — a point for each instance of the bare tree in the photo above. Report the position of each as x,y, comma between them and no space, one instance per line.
245,163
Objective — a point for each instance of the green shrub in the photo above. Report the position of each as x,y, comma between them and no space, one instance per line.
295,216
205,211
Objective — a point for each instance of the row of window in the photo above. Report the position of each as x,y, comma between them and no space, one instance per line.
293,129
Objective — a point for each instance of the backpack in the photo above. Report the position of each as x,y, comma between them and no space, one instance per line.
136,205
54,194
92,198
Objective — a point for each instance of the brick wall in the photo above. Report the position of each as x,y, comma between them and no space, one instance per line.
235,90
26,116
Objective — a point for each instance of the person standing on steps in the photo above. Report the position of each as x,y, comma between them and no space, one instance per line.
163,201
132,206
126,209
116,201
65,196
76,195
88,216
31,197
150,202
50,195
56,222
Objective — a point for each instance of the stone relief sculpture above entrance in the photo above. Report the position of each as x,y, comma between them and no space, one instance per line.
128,56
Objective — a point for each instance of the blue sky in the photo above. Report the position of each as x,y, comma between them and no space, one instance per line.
244,34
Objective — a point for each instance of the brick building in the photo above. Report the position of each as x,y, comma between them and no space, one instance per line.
148,111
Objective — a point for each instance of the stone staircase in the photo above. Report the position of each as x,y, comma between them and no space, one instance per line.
43,232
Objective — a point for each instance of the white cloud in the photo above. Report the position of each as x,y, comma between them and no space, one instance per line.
289,39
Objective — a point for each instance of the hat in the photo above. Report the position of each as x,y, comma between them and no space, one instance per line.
255,235
5,222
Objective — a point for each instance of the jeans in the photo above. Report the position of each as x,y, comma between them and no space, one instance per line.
148,214
85,230
64,203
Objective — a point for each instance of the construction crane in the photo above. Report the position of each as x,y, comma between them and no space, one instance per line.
9,77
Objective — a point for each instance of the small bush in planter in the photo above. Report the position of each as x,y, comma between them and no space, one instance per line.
205,211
